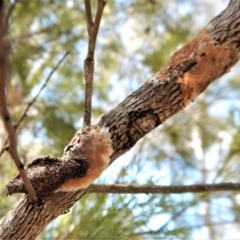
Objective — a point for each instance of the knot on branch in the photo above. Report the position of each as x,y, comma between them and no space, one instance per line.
48,174
140,123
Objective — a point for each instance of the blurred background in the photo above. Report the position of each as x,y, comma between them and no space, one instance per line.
198,145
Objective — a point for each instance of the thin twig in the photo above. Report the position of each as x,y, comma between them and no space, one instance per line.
92,28
88,11
27,35
5,147
158,189
10,11
4,110
40,90
100,7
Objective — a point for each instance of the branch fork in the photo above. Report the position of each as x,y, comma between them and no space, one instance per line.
92,29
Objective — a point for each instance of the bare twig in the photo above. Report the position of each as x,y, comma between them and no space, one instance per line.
88,11
40,90
4,110
157,189
10,10
34,99
92,28
27,35
47,29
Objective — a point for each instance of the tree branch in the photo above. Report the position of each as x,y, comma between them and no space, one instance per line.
10,10
3,106
40,90
88,10
92,29
34,99
189,71
160,189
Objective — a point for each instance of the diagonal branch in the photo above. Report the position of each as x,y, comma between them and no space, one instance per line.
92,28
34,99
4,109
189,71
40,90
10,10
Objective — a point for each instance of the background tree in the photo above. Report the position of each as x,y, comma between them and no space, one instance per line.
199,145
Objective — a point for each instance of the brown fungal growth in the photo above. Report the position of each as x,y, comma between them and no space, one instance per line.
196,65
91,143
85,158
48,174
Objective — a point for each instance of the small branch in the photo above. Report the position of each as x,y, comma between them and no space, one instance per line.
10,11
88,11
100,7
156,189
4,110
92,28
40,90
27,35
5,147
88,75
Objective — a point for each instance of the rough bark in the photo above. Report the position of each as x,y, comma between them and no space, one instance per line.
189,71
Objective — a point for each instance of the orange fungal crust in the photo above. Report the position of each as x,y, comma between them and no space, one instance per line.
93,144
210,62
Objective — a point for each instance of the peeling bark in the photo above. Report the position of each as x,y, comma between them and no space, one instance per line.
189,71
